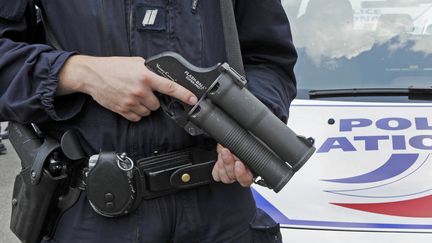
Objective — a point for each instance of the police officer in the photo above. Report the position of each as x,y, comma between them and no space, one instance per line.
95,82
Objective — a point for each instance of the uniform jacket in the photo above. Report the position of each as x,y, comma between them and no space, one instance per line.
29,65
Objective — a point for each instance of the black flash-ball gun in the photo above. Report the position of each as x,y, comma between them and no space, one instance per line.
234,117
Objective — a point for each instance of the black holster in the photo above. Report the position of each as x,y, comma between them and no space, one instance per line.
38,186
31,206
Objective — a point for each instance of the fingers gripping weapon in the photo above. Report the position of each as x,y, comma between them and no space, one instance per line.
234,117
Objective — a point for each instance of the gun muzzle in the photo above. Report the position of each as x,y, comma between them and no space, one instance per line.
254,116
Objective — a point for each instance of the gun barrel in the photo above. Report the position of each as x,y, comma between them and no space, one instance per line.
235,118
251,151
254,116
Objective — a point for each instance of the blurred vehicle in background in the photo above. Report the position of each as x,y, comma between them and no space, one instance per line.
364,77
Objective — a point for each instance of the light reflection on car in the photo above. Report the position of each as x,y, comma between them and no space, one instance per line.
362,44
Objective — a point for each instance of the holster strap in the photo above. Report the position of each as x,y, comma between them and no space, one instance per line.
49,145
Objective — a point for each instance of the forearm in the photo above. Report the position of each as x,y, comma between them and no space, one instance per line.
274,90
29,71
28,82
268,53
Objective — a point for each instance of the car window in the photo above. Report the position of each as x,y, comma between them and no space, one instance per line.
362,44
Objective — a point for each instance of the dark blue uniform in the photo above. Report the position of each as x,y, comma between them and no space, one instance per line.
29,73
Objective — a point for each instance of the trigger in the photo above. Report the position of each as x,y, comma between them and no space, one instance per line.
175,109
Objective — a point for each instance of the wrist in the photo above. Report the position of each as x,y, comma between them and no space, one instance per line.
75,74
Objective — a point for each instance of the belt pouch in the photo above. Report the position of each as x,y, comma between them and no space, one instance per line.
111,189
158,171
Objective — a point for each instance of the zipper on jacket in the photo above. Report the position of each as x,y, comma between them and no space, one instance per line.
194,7
130,21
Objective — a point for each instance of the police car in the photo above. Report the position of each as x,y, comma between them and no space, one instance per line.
364,94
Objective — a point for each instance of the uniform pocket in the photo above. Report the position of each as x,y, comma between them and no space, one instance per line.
264,228
149,27
160,26
151,18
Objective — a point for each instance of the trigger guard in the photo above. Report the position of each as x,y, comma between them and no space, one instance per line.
179,115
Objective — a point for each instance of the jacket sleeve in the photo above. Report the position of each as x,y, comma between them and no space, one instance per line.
29,72
268,53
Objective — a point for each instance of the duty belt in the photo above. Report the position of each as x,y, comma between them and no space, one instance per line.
115,184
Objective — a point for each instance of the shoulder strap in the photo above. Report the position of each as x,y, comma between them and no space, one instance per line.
232,44
51,39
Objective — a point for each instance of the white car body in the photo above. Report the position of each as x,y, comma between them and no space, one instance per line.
371,176
370,179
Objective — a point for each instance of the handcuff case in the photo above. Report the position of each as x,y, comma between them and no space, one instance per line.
112,189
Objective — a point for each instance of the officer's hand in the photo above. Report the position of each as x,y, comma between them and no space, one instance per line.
229,168
122,84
